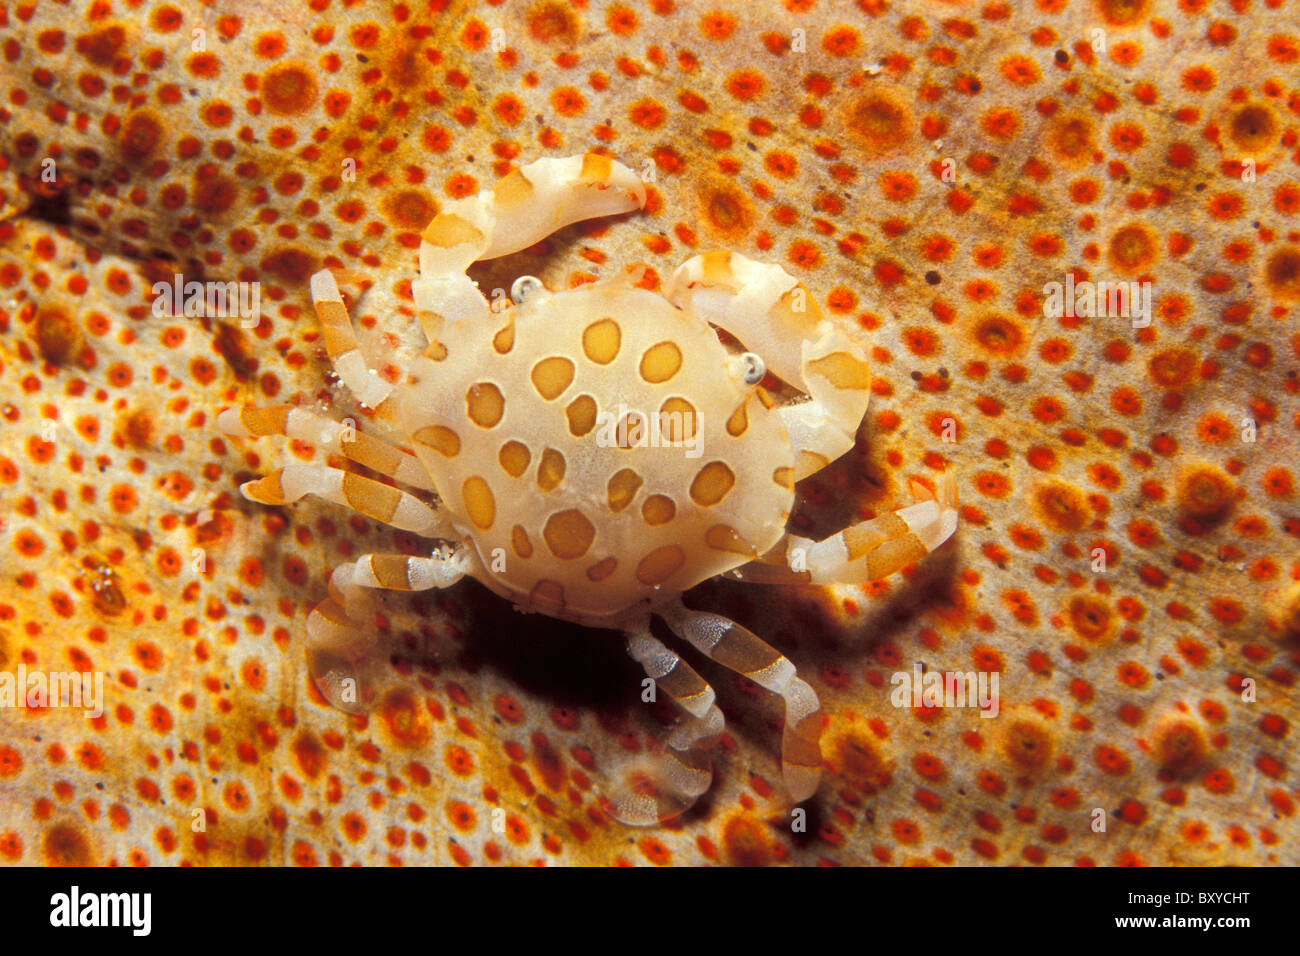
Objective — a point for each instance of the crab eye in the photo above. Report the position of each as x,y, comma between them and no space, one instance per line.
523,287
753,368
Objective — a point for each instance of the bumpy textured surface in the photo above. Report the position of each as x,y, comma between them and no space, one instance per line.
1121,140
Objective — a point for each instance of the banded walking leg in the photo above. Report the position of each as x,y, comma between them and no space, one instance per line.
341,342
867,551
685,770
332,624
365,495
293,422
769,311
341,626
739,649
877,548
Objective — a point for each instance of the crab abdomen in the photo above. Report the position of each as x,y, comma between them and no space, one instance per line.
530,432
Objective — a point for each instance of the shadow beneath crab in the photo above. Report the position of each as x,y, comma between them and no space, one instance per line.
564,664
802,623
495,276
585,669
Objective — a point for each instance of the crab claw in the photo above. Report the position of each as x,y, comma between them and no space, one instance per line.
549,194
524,208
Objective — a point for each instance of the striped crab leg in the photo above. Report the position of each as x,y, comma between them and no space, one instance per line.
867,551
371,498
684,771
340,628
877,548
334,437
741,650
341,342
332,625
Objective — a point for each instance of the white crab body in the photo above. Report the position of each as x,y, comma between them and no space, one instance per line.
600,448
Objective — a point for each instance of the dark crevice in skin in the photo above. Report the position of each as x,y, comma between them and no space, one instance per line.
152,263
54,209
156,265
236,348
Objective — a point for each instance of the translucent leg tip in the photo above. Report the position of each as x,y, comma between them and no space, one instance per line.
348,684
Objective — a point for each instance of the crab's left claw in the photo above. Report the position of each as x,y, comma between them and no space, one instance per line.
549,194
525,207
522,209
